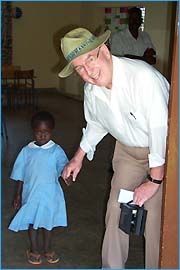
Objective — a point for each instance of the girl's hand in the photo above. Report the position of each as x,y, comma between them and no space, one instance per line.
17,202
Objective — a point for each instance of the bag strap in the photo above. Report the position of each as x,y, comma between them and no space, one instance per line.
142,207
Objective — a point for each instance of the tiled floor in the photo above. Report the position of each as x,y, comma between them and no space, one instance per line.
79,245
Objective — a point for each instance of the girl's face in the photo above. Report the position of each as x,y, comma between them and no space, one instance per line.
42,133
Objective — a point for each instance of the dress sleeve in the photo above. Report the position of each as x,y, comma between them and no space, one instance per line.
94,132
61,160
18,170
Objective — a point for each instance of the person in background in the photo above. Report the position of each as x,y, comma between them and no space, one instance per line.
39,198
127,98
132,42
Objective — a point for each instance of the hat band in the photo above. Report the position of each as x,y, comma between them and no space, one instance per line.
73,54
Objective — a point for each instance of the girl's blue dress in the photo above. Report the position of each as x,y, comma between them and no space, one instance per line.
43,204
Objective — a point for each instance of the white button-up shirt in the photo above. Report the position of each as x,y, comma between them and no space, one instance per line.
123,43
134,111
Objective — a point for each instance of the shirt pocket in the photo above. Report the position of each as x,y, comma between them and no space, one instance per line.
136,119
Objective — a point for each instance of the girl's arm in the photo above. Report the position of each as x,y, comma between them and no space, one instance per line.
18,196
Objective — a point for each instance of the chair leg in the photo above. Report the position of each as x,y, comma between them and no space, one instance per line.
4,129
34,99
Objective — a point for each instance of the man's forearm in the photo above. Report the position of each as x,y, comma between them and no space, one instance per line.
149,59
157,172
133,56
79,155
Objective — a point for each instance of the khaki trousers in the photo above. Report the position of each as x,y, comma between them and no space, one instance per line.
130,165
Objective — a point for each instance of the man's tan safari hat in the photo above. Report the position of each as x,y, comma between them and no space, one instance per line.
78,42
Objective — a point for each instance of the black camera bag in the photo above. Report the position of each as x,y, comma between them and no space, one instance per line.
132,218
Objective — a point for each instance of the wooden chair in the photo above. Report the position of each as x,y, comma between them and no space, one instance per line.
18,86
8,74
4,132
8,84
8,93
9,68
24,84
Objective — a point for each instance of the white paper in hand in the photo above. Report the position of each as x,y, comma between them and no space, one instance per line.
125,196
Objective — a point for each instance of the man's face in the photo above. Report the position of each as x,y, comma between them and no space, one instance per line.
95,67
135,20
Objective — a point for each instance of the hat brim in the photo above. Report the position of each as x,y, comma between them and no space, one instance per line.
68,69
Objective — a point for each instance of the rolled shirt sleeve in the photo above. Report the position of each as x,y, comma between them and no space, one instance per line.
158,121
92,135
157,146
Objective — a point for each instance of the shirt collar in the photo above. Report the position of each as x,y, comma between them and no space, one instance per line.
44,146
99,92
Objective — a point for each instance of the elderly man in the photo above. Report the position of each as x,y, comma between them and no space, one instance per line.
132,42
128,99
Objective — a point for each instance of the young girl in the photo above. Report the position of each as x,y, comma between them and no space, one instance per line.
39,196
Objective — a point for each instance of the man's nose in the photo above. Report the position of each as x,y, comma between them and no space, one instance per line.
89,70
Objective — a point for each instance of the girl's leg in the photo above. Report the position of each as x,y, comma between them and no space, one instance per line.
47,240
33,237
33,254
50,254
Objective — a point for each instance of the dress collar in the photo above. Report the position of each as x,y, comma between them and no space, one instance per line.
44,146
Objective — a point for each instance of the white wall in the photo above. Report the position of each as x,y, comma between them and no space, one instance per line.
36,37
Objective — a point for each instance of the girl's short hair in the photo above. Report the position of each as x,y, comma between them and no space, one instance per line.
43,116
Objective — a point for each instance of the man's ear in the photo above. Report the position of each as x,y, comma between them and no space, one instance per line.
106,51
